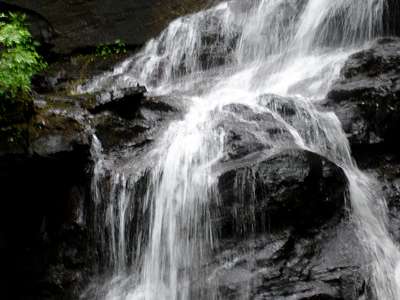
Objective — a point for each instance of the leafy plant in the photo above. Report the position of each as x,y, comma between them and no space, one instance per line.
19,59
105,50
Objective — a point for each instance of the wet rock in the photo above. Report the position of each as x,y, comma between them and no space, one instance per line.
366,96
65,75
240,143
390,18
132,121
115,133
366,101
45,252
281,264
124,101
394,213
249,132
56,133
291,188
216,47
286,107
41,84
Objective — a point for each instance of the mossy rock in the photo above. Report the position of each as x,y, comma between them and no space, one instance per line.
52,133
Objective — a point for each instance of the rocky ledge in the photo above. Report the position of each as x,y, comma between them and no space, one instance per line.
46,162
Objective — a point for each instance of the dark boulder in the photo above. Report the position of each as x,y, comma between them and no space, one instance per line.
366,101
132,121
366,97
291,188
281,231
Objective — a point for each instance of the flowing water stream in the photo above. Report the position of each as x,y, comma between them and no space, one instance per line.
153,223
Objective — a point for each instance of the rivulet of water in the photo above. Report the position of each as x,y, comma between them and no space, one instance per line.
154,224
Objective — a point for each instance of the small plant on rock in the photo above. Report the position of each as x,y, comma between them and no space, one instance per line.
105,50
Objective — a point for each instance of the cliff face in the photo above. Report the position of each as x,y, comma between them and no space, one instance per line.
64,26
45,177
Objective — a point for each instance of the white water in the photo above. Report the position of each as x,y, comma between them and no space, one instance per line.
285,47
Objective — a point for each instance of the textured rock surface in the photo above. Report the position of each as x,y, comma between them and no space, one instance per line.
282,234
282,265
366,100
291,188
68,25
367,93
45,176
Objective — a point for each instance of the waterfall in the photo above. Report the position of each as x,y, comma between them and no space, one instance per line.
154,221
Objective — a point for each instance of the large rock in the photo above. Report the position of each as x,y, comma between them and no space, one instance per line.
366,101
366,96
282,233
284,265
68,25
291,188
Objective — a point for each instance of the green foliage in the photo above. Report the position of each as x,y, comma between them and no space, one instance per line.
18,57
105,50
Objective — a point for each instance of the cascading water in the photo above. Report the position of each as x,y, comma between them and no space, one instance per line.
155,238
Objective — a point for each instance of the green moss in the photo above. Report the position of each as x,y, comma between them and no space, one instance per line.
59,105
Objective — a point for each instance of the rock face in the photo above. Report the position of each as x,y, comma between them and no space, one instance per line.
43,217
280,220
391,17
279,231
278,247
369,91
366,100
291,188
45,174
286,265
65,26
